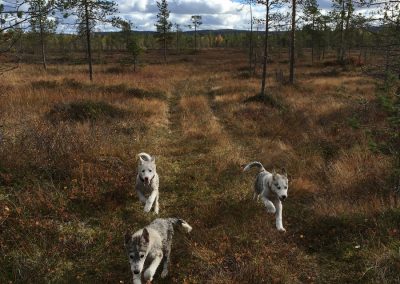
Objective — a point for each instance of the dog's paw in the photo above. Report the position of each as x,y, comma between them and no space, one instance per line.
147,276
282,229
156,211
164,273
271,209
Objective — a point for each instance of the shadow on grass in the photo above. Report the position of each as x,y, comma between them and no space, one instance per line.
84,111
268,100
122,89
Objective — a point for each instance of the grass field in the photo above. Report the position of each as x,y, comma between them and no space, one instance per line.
68,156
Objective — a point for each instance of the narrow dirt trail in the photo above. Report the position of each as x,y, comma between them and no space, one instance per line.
202,182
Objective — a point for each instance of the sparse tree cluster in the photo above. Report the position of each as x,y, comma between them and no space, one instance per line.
305,30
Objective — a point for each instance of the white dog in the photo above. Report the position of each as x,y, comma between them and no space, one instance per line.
273,189
147,181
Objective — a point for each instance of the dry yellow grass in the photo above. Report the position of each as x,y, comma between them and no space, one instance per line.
66,178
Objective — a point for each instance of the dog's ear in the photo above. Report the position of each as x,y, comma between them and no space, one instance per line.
284,172
141,161
153,159
128,237
144,239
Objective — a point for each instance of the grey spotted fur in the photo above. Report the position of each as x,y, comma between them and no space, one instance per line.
152,245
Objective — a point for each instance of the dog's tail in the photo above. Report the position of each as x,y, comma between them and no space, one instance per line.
254,164
181,222
145,156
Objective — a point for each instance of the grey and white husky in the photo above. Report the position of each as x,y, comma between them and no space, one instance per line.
150,246
273,189
147,182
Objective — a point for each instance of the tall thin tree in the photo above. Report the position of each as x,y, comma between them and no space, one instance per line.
163,26
292,43
251,3
196,21
40,23
311,15
269,4
178,31
88,14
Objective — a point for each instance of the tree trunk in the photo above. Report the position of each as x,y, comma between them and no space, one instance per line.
165,44
346,33
195,37
177,40
292,43
42,39
88,41
312,41
341,51
251,39
264,74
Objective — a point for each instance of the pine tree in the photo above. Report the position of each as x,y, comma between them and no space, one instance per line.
292,43
311,16
131,41
196,21
89,13
40,23
251,3
177,31
163,26
269,5
343,13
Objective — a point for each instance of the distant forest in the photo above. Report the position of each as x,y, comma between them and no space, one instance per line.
347,31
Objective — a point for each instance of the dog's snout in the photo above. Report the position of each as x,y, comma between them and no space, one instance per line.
136,271
283,197
146,178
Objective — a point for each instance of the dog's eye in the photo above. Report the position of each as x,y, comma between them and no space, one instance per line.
279,187
143,171
131,256
150,171
142,255
285,187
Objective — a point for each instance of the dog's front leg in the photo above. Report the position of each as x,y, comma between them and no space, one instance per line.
278,216
167,258
141,196
270,206
149,273
150,201
156,205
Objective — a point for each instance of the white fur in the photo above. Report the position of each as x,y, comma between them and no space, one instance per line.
273,189
147,181
187,227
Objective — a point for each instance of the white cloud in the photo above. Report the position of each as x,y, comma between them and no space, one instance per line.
216,14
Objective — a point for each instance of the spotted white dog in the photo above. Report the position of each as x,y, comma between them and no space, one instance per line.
147,182
273,189
151,246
